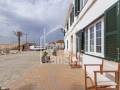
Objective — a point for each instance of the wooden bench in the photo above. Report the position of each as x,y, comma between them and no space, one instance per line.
99,78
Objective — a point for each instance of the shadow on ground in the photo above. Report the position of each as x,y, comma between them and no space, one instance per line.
27,87
76,87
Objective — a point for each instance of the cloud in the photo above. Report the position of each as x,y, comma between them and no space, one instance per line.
32,17
55,29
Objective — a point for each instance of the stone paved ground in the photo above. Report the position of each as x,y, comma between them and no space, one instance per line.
56,75
50,77
13,66
25,72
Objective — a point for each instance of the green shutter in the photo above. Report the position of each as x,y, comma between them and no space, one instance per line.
111,33
118,24
77,43
118,20
77,7
80,37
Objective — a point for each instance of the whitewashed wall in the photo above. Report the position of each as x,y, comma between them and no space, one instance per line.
97,9
87,16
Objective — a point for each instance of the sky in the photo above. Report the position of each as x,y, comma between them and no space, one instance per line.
33,17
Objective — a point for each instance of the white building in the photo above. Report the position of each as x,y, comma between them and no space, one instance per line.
93,28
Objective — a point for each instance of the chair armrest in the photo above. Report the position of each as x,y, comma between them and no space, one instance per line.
100,65
107,71
92,64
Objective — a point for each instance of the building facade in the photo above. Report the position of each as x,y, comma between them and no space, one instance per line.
93,29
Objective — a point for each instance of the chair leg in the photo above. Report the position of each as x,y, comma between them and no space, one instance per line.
117,87
117,80
95,81
85,82
85,79
95,88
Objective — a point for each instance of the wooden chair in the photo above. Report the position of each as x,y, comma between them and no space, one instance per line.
99,77
67,56
75,61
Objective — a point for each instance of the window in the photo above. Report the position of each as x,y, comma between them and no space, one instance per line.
77,43
67,44
92,39
85,1
98,37
67,26
86,40
80,40
81,5
77,7
72,17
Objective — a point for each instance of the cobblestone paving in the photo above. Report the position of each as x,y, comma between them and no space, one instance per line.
25,72
50,77
56,75
13,66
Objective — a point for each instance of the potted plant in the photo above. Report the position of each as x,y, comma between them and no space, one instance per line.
54,52
45,57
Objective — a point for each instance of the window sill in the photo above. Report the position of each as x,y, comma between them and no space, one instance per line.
100,55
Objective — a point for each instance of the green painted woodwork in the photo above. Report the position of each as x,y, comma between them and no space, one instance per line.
80,42
118,25
77,7
112,33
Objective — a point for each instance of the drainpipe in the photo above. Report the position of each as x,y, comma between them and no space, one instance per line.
118,27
